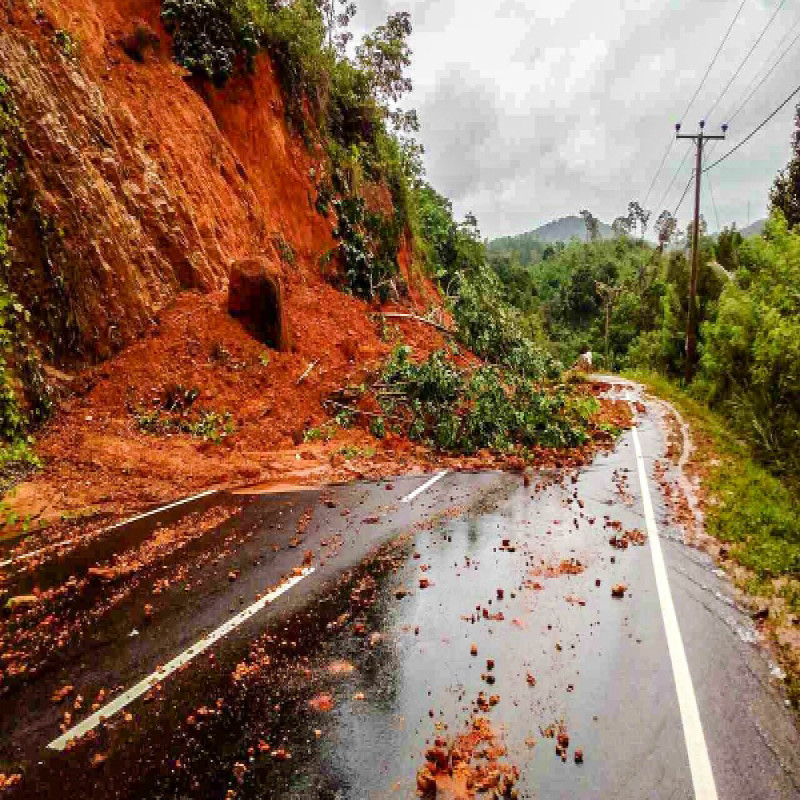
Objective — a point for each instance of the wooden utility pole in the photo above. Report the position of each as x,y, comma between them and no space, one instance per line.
691,322
609,295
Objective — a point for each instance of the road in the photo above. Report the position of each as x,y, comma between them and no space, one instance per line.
342,626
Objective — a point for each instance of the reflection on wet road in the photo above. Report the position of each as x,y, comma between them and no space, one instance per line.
493,634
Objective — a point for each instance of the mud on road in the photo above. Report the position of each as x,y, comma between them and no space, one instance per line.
493,635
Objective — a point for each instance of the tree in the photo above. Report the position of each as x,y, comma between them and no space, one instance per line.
592,225
337,15
785,194
621,226
638,216
665,226
727,248
384,55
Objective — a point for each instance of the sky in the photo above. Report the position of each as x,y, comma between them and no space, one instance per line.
534,109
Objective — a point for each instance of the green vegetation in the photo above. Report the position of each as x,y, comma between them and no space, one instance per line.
627,298
464,411
751,508
24,396
176,413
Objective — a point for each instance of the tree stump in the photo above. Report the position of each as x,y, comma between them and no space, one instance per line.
255,296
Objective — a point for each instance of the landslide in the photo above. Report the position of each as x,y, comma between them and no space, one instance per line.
140,187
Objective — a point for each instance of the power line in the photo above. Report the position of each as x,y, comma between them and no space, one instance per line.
674,177
731,117
713,60
688,184
747,57
769,72
753,132
658,171
691,102
714,204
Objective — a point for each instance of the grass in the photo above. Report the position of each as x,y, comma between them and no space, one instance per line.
211,426
747,508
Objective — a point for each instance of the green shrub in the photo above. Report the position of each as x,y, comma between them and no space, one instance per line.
209,38
750,364
458,411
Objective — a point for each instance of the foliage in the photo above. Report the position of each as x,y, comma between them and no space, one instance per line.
211,426
66,43
458,411
496,331
785,194
24,395
367,247
748,507
751,349
209,36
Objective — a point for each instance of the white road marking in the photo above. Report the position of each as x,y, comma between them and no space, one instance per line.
699,763
144,686
427,485
113,527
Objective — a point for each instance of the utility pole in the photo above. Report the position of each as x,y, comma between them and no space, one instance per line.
691,323
610,294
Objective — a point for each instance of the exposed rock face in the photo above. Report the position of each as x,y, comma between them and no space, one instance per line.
255,296
139,183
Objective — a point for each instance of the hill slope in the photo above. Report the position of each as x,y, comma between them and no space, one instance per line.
557,230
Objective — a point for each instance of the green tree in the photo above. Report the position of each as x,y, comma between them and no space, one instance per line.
592,225
666,225
785,194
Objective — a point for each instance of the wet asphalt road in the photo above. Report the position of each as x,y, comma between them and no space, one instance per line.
395,658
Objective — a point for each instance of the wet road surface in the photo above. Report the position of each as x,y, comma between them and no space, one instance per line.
481,598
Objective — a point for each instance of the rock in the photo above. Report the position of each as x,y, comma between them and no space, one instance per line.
426,783
255,295
21,602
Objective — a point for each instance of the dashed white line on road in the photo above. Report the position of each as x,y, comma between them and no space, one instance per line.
699,762
144,685
427,485
113,527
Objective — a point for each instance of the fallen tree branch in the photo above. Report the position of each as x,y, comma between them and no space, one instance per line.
307,372
359,411
399,315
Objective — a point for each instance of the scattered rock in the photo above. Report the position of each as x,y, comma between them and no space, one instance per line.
21,602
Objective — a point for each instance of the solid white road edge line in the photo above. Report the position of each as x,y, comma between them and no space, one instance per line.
113,527
427,485
699,763
118,703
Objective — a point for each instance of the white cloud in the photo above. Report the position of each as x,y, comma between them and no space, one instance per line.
533,110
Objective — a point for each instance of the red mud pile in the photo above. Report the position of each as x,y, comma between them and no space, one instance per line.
470,764
148,187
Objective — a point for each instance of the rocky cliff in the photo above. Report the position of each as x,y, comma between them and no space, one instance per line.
136,181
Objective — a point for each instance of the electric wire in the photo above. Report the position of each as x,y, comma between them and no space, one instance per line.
752,133
714,59
747,92
769,72
691,103
674,177
686,189
713,203
747,57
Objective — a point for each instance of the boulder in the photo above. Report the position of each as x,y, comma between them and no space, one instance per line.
255,296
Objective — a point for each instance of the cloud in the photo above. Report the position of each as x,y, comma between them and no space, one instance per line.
533,110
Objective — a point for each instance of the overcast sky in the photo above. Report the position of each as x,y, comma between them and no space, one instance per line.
535,109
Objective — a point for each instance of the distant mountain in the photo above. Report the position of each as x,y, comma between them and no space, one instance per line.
559,230
754,229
